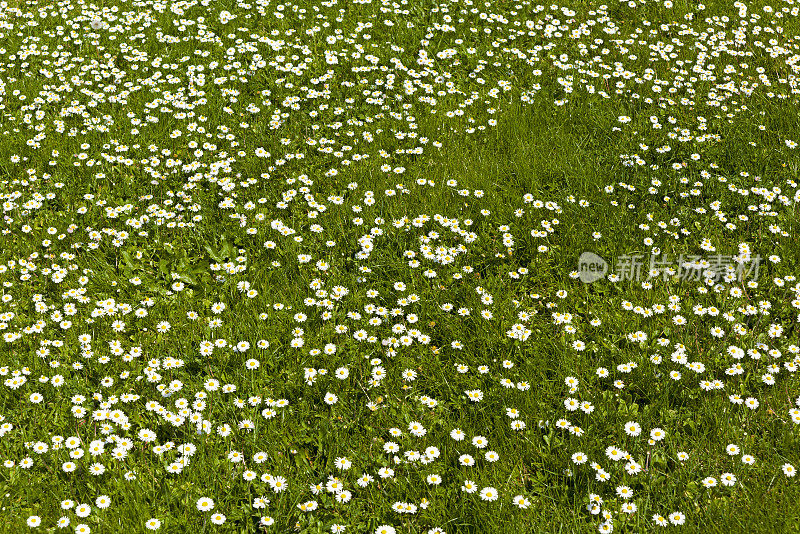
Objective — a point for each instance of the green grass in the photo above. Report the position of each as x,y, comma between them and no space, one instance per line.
494,190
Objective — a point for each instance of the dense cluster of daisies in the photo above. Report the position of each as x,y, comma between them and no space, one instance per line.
228,274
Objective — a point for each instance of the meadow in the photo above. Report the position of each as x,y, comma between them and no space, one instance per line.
322,266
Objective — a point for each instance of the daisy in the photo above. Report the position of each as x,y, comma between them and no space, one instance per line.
204,504
97,469
709,482
278,484
416,429
522,502
625,492
633,429
677,518
480,442
489,494
579,458
343,463
83,510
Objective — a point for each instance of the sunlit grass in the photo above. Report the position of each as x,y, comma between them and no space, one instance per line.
253,253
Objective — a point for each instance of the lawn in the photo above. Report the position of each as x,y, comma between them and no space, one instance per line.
399,267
